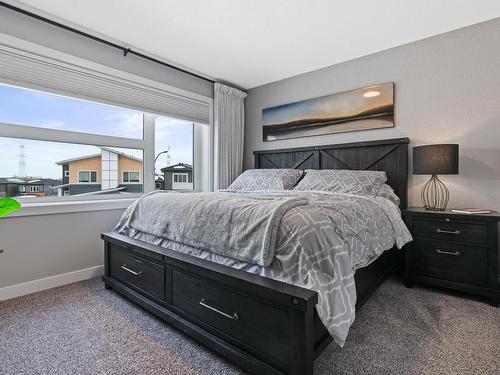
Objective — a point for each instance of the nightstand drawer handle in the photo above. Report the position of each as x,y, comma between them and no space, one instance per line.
457,232
454,253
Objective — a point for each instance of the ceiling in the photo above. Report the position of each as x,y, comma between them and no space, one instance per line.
250,43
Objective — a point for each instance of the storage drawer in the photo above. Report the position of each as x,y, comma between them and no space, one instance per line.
451,231
256,324
142,274
454,262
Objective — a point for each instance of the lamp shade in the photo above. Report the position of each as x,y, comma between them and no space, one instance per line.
435,159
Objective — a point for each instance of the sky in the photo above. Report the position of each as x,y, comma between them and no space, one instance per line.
26,107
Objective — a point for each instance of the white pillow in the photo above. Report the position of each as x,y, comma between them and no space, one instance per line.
266,179
343,181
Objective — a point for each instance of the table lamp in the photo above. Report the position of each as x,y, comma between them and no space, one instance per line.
434,160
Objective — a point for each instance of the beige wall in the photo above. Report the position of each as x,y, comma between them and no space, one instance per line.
447,90
90,164
127,164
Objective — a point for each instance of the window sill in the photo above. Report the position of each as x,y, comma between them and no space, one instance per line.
50,208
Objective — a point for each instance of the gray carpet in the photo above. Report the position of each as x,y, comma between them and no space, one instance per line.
84,329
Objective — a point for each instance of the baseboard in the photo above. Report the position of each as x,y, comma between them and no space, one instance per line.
29,287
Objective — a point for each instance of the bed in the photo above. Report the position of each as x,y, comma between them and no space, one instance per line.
264,325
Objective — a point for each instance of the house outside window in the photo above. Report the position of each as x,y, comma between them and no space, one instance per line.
131,177
34,189
178,177
66,173
87,177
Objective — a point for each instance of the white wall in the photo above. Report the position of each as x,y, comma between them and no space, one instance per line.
40,247
447,90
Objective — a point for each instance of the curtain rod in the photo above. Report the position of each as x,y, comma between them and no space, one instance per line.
125,50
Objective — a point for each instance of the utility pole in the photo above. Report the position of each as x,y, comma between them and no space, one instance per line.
21,167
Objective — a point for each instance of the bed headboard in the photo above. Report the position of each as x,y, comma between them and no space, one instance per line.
389,155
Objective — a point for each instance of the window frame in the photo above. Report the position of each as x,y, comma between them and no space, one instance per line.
131,182
90,177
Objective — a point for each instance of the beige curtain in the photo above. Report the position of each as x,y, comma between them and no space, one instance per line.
229,128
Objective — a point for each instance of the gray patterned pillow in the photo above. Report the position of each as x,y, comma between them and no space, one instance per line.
343,181
266,179
386,191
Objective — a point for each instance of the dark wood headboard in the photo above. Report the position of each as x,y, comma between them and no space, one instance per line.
389,155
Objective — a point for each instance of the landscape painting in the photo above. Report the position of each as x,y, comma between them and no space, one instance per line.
370,107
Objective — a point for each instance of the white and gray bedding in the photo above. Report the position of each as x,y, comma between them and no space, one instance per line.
322,238
246,225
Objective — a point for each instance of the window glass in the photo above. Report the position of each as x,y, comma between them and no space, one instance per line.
180,177
131,176
87,176
174,152
44,169
33,108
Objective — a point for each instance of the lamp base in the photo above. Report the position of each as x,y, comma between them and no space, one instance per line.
435,195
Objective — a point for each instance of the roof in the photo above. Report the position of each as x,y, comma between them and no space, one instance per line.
20,181
178,167
98,155
11,180
42,181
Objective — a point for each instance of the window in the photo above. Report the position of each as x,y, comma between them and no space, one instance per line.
86,150
131,177
87,177
127,120
180,177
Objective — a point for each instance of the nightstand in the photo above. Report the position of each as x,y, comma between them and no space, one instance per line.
457,251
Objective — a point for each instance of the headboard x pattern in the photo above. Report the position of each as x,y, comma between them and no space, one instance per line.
389,155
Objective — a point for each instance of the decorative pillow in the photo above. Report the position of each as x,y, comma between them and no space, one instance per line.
266,179
386,191
343,181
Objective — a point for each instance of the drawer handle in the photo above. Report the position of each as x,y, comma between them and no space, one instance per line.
232,317
454,253
457,232
135,273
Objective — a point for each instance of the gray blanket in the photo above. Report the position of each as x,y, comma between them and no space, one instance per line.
245,226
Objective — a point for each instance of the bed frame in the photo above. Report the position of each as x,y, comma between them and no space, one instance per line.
263,325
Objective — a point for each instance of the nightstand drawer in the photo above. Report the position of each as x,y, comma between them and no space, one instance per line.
454,262
451,231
